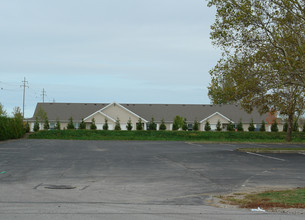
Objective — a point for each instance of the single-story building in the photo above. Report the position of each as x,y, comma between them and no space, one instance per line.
111,112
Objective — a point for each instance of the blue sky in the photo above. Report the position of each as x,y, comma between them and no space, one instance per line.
97,51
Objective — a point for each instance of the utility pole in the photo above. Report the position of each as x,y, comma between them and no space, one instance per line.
25,85
43,94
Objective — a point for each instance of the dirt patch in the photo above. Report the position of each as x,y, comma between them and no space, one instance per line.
232,201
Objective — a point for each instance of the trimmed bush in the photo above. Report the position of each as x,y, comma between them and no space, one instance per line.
251,126
36,125
106,126
230,126
70,124
218,126
162,126
93,125
46,125
196,126
207,126
274,127
263,126
82,125
57,125
240,126
152,125
139,126
117,125
184,125
129,125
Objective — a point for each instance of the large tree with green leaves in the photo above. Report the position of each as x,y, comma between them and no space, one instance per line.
263,62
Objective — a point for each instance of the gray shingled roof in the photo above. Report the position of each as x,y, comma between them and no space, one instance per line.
63,111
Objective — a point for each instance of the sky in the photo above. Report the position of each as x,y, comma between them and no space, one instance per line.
102,51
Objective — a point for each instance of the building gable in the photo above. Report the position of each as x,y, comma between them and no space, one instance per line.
213,119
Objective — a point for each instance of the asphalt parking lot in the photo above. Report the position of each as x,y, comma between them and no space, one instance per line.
135,179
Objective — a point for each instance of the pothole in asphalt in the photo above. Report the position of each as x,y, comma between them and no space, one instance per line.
43,186
59,187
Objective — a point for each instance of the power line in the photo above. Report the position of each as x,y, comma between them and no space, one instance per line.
25,85
43,94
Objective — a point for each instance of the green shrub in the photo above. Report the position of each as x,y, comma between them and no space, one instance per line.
304,127
263,126
207,126
295,127
139,126
117,125
11,128
240,126
218,126
70,124
93,125
36,125
196,125
184,125
57,125
27,127
251,126
285,127
162,125
82,125
230,126
274,127
46,125
129,125
106,126
152,125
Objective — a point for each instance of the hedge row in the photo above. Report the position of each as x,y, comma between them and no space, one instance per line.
165,135
11,128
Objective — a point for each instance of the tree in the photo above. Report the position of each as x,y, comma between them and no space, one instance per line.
274,127
70,124
230,126
93,125
105,126
2,111
152,125
218,126
82,125
57,125
41,115
263,126
184,125
304,127
177,123
117,126
129,125
263,55
196,125
251,126
139,125
240,126
162,125
46,124
36,125
207,126
18,124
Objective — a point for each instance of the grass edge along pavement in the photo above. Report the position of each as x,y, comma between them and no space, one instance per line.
265,137
284,150
292,198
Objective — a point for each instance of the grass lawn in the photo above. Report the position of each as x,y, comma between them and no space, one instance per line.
266,137
294,198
